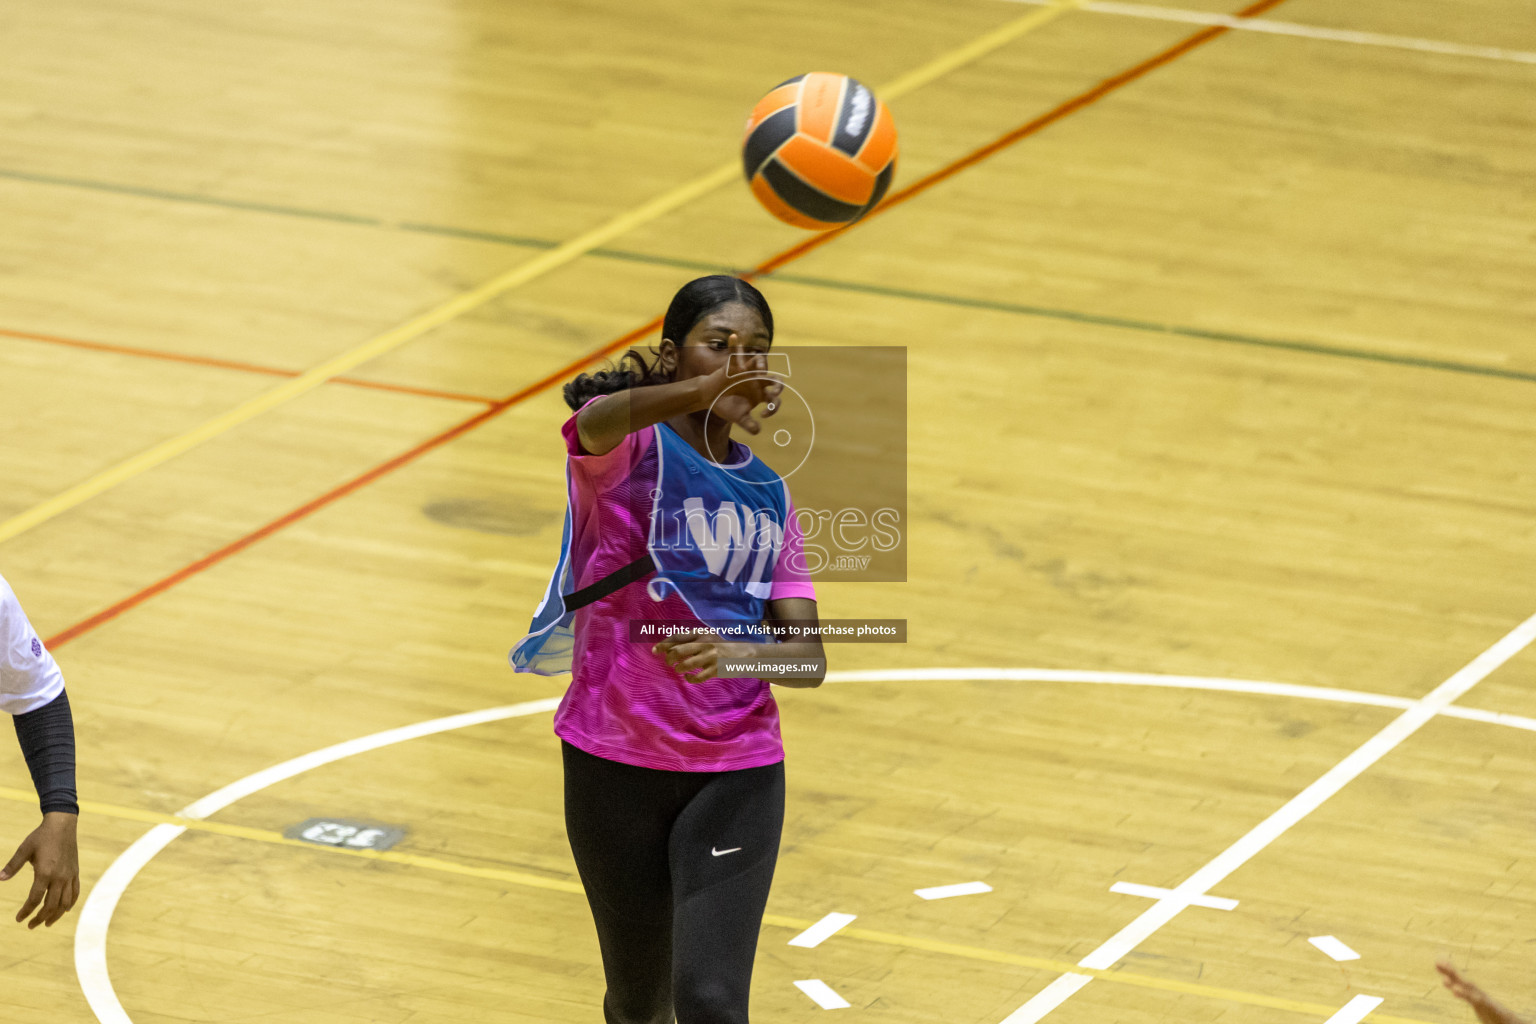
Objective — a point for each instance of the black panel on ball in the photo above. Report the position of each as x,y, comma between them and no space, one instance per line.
882,183
777,128
809,201
855,119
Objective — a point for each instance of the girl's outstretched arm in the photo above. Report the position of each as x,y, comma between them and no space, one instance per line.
602,426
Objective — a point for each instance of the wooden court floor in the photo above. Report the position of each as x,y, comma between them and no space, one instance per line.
1221,377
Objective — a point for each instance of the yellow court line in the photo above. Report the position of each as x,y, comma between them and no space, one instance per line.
974,50
517,276
533,881
262,835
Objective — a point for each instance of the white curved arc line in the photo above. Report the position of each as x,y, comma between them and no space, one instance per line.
1490,717
1046,675
1217,684
96,913
220,799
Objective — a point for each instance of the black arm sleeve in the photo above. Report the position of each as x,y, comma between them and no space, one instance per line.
47,738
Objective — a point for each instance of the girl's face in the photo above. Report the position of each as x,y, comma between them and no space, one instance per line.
709,344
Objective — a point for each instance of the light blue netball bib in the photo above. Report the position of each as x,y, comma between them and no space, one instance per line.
714,536
546,649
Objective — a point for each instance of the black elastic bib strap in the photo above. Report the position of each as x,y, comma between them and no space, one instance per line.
638,569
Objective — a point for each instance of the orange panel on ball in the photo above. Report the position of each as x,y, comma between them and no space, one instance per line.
880,148
774,102
827,170
821,98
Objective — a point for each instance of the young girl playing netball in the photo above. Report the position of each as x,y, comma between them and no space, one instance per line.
674,775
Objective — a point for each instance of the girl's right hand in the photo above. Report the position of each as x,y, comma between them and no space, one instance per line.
733,395
1488,1011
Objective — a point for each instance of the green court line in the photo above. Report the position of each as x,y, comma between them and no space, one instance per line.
1148,326
673,261
183,197
520,241
526,241
911,295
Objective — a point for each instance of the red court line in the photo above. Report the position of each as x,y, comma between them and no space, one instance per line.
1045,120
1077,103
207,561
411,389
230,364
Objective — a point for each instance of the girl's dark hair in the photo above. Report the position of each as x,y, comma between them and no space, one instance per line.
692,303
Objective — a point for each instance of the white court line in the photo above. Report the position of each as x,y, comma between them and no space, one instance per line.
220,799
1052,675
1491,717
96,912
1291,28
822,930
944,892
1152,892
1215,684
822,995
1333,947
1356,1010
1299,806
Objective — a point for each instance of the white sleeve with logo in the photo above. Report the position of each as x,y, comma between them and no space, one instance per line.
29,677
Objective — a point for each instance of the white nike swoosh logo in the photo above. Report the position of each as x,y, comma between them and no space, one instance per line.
722,853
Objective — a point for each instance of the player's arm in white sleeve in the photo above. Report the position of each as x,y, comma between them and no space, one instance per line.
32,691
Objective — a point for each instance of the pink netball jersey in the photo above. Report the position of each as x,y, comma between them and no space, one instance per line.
625,703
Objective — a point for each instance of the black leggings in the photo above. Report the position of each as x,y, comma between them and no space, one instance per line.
677,867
